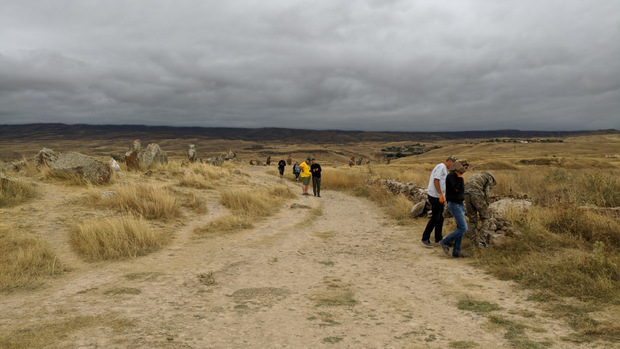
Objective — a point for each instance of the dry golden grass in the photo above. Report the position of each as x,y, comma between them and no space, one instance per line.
42,334
13,193
224,225
25,261
148,201
115,238
196,180
247,206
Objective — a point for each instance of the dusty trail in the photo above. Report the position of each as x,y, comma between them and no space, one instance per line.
271,287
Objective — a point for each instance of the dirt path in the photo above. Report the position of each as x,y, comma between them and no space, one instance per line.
336,274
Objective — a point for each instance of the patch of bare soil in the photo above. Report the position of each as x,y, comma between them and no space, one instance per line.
339,274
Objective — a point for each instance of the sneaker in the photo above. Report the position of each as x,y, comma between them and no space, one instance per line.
483,244
444,247
427,243
460,255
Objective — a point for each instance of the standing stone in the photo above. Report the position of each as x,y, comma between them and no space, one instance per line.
131,156
336,164
289,160
152,155
191,154
87,167
268,161
114,166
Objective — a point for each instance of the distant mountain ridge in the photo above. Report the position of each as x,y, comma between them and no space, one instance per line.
44,131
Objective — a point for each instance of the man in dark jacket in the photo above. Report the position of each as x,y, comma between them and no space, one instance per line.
281,166
455,195
315,169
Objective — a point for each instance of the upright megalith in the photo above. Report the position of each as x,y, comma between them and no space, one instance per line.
131,156
85,166
191,154
152,155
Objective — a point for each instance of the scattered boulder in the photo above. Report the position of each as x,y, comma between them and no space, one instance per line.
216,161
45,157
9,167
87,167
230,156
152,155
417,209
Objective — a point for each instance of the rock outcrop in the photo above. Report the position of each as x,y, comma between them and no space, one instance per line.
85,166
45,157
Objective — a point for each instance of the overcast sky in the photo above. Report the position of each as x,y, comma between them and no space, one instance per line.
374,65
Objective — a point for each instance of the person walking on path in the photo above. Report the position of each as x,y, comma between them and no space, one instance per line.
315,169
281,165
305,176
296,171
436,190
477,199
455,195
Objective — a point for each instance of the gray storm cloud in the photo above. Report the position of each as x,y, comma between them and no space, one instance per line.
366,65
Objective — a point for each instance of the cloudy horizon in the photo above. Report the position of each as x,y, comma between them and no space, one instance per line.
373,65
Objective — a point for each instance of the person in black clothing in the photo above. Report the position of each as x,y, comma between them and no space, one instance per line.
315,169
281,166
455,195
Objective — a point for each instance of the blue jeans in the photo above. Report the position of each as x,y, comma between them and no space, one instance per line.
458,212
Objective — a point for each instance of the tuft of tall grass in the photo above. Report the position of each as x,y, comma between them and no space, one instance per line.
342,179
24,261
255,203
209,171
13,193
148,201
195,180
66,178
115,238
247,206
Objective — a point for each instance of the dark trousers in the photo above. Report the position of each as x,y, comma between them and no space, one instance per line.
435,222
316,186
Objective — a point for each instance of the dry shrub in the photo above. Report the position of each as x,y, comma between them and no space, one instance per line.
24,261
148,201
559,253
588,226
13,193
115,238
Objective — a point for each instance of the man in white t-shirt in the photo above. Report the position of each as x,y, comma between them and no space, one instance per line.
436,191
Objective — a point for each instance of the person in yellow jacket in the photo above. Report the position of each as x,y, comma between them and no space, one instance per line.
305,175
